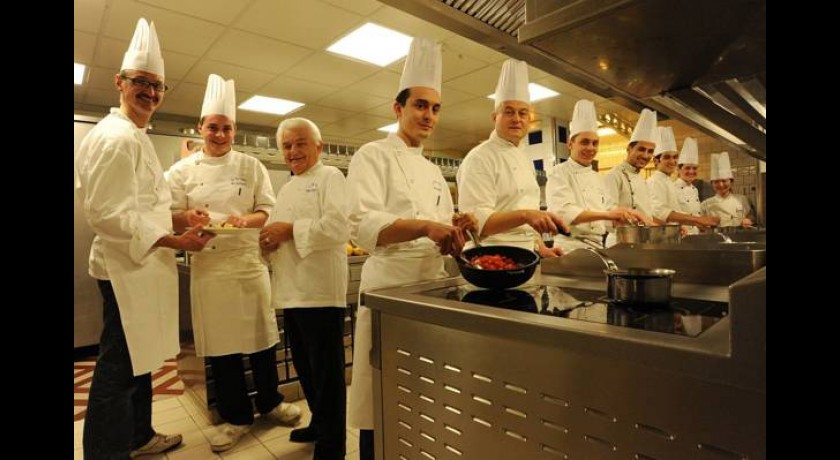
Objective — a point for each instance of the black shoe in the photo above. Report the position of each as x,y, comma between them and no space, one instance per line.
308,434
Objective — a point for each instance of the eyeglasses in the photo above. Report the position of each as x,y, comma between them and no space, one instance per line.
146,84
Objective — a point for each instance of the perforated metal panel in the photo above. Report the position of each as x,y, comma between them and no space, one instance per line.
455,394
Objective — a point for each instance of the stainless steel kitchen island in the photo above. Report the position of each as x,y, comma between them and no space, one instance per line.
566,375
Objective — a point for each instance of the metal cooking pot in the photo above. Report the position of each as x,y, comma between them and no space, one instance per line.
655,234
636,286
499,279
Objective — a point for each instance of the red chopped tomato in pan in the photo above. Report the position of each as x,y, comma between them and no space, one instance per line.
495,262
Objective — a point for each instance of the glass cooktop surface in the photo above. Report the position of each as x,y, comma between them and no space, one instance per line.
688,317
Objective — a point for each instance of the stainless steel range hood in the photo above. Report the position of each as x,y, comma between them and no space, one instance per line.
701,62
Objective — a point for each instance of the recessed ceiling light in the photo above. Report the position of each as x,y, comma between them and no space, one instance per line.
79,73
374,44
537,92
271,105
392,128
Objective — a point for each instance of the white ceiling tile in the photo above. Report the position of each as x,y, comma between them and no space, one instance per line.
475,50
295,21
184,98
353,99
322,115
83,46
362,7
177,32
451,96
383,84
246,79
176,65
480,83
87,15
385,110
101,78
219,11
330,69
296,89
476,109
258,118
393,18
456,64
256,52
110,53
359,123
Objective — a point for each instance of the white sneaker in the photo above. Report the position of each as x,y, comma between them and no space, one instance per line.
285,414
228,436
158,444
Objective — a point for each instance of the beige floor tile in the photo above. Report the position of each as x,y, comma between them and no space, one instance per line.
285,450
255,452
200,452
165,404
183,425
170,415
247,441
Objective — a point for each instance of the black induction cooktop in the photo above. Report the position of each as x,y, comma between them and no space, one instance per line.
688,317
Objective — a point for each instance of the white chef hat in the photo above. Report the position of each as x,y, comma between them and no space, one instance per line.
219,98
584,118
721,168
645,129
144,50
665,141
423,65
513,83
688,154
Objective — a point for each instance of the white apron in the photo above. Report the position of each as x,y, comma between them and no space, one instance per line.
231,303
147,295
379,272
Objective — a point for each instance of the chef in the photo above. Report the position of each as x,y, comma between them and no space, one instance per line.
576,192
733,210
625,185
497,181
688,196
305,237
663,191
120,184
230,291
401,213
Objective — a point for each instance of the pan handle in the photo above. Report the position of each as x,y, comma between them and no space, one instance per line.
608,262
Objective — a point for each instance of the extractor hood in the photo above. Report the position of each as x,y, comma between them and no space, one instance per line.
702,62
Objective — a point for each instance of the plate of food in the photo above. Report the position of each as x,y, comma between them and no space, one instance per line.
219,229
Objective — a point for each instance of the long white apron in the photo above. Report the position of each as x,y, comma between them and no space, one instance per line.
231,303
380,272
147,295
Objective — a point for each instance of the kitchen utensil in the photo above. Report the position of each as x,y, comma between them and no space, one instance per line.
499,279
656,234
636,286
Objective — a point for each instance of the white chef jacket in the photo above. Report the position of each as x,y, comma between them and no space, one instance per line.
311,269
731,210
119,181
689,201
663,194
571,189
390,180
499,176
230,289
627,188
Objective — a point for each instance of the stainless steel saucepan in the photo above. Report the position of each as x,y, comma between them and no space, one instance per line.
636,286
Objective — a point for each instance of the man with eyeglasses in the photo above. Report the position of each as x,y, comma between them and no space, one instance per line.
625,185
663,190
126,201
497,181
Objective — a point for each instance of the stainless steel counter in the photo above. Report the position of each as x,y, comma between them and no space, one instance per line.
460,379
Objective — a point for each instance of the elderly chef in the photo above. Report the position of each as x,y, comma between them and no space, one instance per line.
624,183
497,181
305,236
120,184
230,291
688,196
663,191
733,210
401,213
576,192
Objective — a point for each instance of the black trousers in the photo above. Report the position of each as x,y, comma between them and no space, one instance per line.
232,399
316,337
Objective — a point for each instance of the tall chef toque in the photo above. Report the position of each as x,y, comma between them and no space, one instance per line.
144,50
721,168
584,118
423,65
688,154
645,129
513,83
219,98
665,141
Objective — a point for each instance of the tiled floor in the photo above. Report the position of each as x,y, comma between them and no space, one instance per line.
182,414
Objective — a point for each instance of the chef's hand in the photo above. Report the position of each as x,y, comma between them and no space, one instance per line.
449,239
547,252
746,222
708,221
465,221
236,221
275,233
193,239
196,216
545,222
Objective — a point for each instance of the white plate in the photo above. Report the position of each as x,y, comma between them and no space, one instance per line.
229,230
